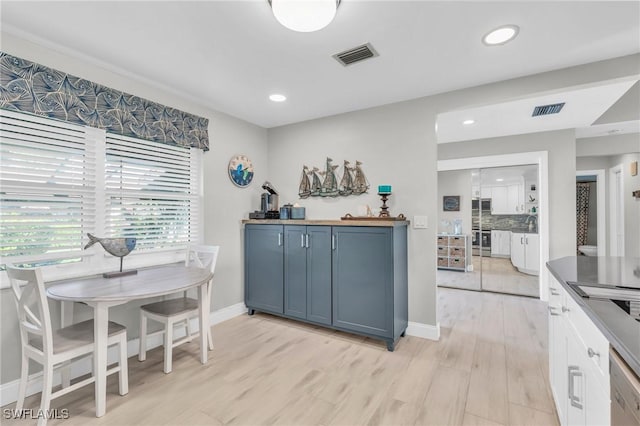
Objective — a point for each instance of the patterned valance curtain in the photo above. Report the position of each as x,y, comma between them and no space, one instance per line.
29,87
582,212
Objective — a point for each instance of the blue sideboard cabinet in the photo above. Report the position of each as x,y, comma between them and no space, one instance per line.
350,278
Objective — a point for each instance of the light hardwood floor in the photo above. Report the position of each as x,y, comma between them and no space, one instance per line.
489,368
498,275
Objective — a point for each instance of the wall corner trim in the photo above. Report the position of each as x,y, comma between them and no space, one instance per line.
424,331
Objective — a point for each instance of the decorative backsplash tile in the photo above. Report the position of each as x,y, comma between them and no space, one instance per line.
503,222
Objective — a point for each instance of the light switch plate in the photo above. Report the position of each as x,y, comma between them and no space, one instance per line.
420,222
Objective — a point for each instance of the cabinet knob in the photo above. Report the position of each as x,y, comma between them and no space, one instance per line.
592,353
552,311
565,309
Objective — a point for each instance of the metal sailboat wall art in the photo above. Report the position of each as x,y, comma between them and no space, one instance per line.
314,183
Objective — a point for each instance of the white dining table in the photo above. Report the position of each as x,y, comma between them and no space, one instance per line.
101,293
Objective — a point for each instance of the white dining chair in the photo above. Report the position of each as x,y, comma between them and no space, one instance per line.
55,348
178,312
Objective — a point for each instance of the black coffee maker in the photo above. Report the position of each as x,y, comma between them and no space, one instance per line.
268,204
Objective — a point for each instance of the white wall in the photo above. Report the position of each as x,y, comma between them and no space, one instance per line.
224,204
455,182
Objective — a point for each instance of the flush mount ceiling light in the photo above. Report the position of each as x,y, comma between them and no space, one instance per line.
468,122
499,180
276,97
501,35
304,15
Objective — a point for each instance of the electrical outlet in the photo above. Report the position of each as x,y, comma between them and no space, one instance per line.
420,222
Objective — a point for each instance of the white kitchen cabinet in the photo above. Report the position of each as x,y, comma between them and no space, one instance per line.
557,348
485,191
506,199
500,243
499,200
515,198
578,362
525,252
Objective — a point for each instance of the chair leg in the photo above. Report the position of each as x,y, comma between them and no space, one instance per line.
168,347
123,374
187,325
45,399
65,373
142,351
24,378
210,339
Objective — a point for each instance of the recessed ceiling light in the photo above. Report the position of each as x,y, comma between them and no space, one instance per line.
276,97
499,180
468,122
501,35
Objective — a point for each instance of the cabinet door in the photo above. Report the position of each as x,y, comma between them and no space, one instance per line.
499,200
264,257
558,372
517,250
295,271
496,238
532,252
514,199
363,279
505,243
319,274
576,381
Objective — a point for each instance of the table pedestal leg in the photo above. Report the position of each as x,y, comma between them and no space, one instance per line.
100,330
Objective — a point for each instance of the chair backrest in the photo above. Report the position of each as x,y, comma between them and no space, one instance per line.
202,256
30,297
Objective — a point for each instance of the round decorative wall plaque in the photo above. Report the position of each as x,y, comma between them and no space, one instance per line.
241,170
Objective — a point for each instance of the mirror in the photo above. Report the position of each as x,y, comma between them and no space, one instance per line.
476,242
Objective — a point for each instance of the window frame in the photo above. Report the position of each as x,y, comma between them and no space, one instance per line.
95,259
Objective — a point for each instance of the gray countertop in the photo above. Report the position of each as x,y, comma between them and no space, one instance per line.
622,331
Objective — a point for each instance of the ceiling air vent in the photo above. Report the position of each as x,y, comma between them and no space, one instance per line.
547,109
356,54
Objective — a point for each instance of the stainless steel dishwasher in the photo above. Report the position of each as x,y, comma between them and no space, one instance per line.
625,393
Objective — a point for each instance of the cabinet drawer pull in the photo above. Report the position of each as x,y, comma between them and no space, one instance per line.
306,239
592,353
333,242
279,239
521,240
574,371
565,309
552,311
302,240
554,292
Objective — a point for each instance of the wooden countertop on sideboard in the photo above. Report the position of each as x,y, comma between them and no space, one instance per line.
328,222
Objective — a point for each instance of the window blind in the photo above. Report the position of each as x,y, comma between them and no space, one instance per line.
47,189
151,192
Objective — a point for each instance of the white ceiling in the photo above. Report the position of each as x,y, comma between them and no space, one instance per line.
230,55
608,129
582,107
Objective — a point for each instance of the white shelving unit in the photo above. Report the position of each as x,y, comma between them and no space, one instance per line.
454,252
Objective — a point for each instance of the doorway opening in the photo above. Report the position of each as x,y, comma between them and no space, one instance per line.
504,219
501,224
590,213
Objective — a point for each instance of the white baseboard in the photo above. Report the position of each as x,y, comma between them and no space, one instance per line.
9,390
425,331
